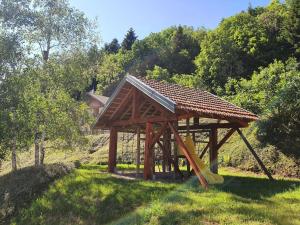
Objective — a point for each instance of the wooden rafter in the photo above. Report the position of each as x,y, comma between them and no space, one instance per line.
122,105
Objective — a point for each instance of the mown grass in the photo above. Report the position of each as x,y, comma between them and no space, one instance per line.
88,196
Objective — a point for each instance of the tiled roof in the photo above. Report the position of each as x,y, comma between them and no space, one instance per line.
199,101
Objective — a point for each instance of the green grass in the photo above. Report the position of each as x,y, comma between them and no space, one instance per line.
88,196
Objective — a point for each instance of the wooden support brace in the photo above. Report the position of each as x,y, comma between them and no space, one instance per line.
204,150
158,134
225,138
255,155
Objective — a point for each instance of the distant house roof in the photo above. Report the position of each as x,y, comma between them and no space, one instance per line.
100,98
176,99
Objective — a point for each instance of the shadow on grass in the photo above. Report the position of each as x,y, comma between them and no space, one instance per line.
19,188
255,188
86,197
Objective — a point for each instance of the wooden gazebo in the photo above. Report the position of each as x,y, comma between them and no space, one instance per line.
154,109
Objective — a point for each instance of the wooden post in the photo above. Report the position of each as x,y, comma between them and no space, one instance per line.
175,150
148,157
213,152
255,155
167,147
138,150
112,157
188,169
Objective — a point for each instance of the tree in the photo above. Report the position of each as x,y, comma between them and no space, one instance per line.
129,39
293,25
10,53
112,47
47,24
159,74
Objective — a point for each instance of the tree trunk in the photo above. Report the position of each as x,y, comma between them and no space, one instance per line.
42,148
14,154
36,150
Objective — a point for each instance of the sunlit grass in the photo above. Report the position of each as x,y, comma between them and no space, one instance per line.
88,196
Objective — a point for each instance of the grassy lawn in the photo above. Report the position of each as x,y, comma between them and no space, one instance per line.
87,196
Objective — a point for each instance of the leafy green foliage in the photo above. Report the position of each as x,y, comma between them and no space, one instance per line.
273,93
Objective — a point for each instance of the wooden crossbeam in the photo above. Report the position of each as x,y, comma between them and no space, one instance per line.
188,156
154,119
211,126
255,155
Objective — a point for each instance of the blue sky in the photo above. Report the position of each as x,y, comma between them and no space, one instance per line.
115,17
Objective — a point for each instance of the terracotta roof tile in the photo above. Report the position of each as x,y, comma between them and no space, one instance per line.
199,101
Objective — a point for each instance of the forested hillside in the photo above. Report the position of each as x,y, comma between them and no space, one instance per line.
46,66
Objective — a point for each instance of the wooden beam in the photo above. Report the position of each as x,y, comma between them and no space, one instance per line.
112,155
255,155
148,157
154,119
189,157
213,152
210,126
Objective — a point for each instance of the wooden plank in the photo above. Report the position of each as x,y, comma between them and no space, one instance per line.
148,160
188,156
112,157
255,155
213,152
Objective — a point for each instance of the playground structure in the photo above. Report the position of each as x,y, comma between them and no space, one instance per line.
161,115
